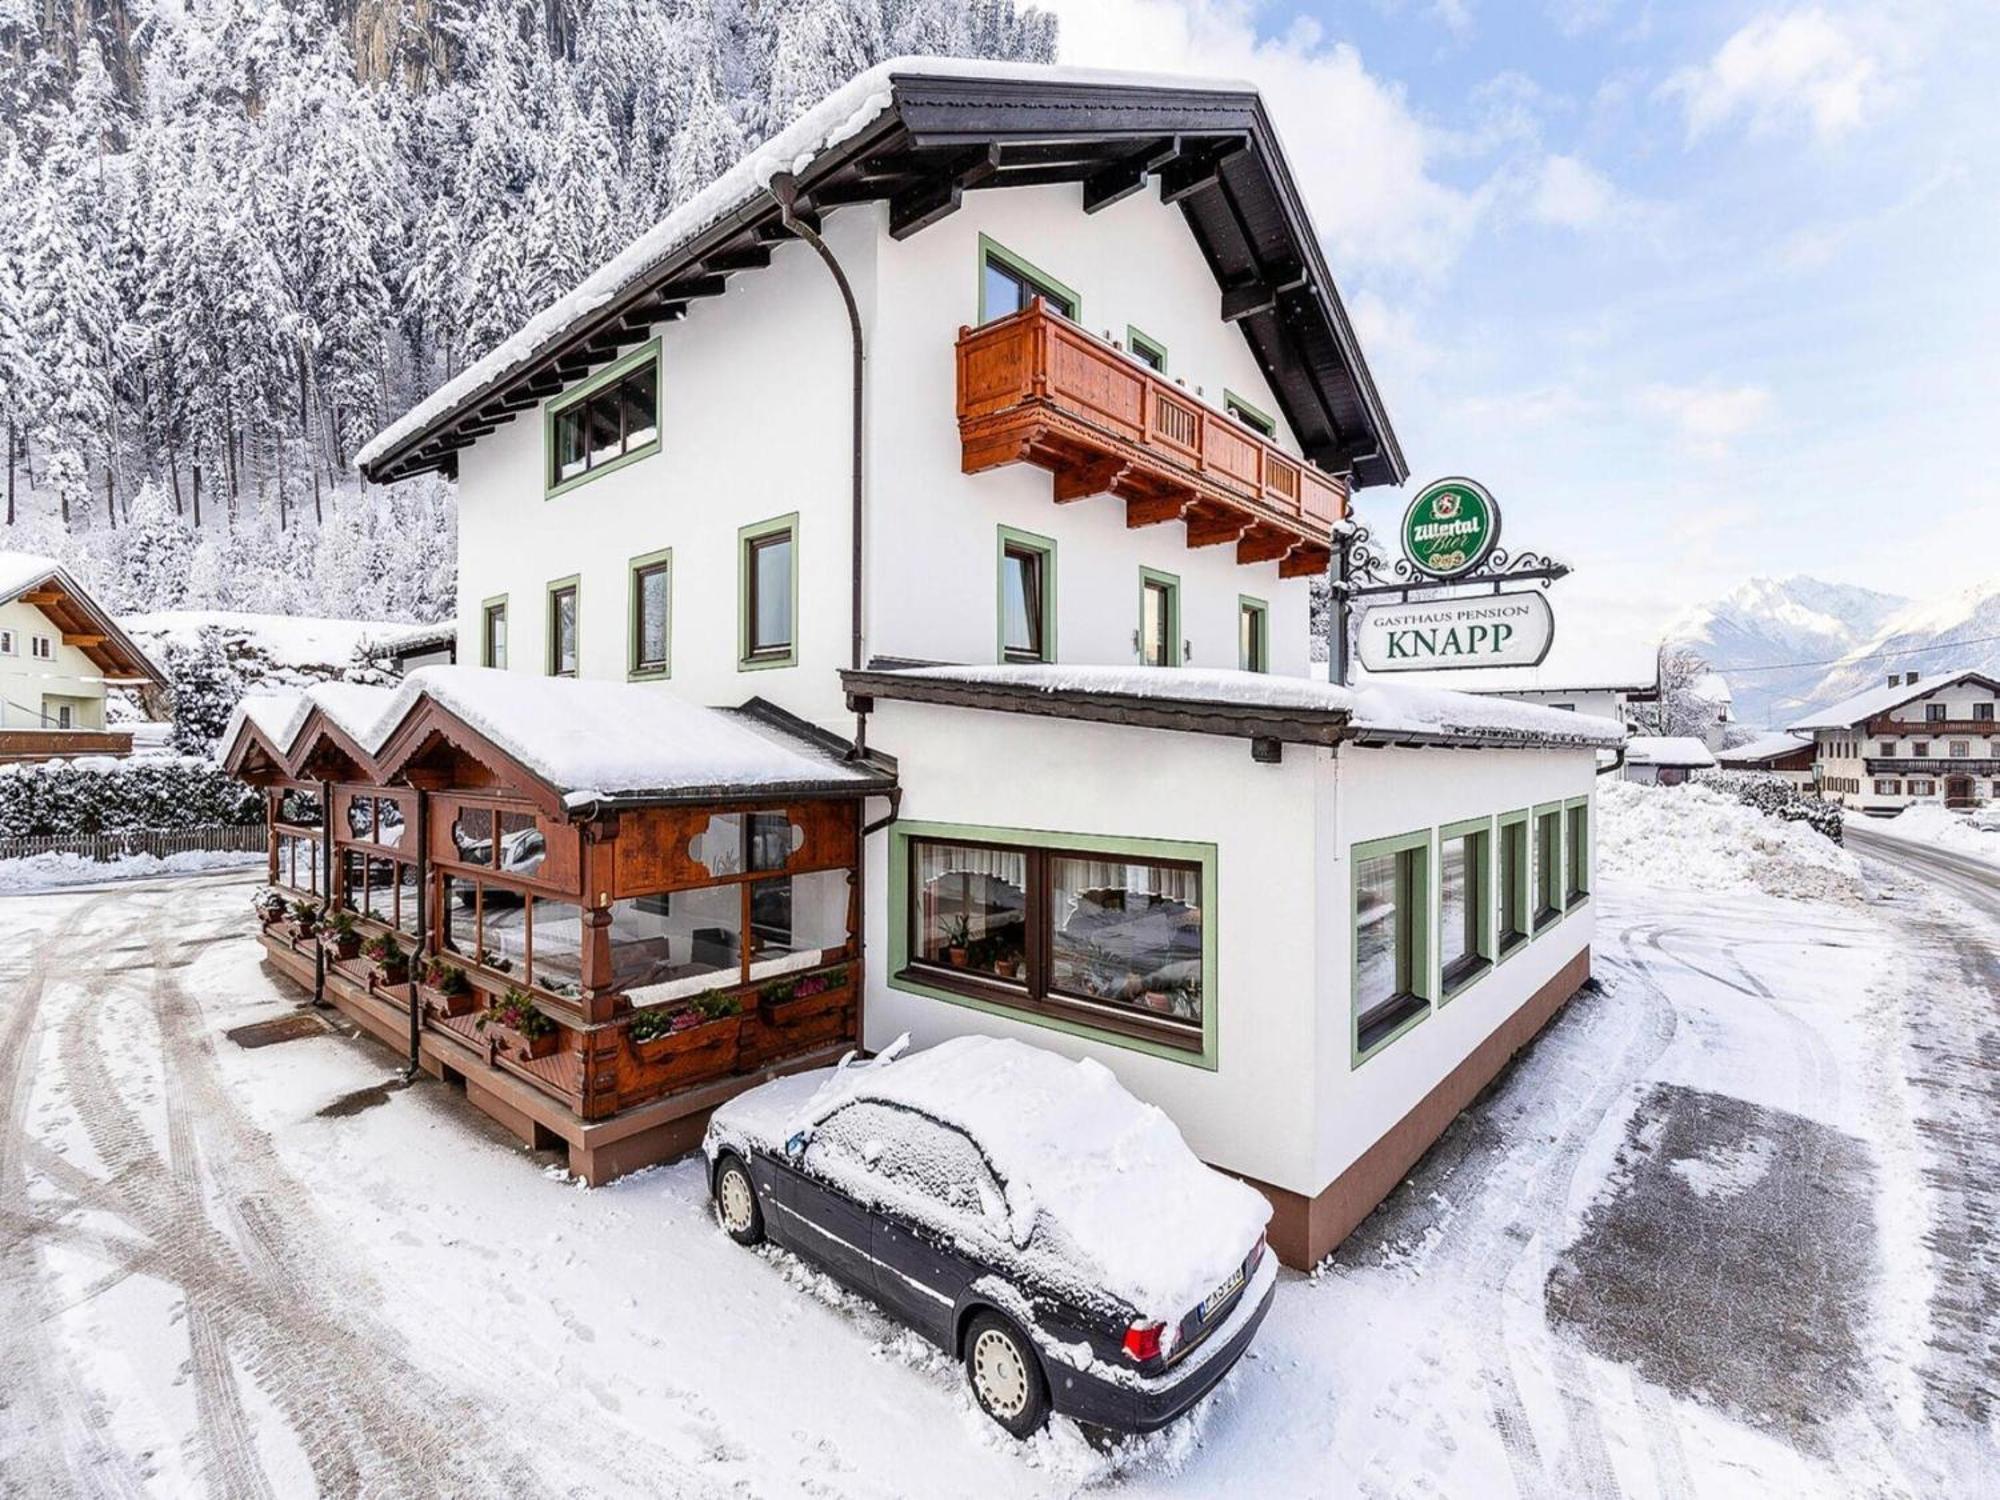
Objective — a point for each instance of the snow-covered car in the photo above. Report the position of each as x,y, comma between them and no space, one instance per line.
1021,1210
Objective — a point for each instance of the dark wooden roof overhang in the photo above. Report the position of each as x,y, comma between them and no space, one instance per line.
1265,726
1212,152
83,625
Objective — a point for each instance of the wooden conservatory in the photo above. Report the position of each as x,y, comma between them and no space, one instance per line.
597,953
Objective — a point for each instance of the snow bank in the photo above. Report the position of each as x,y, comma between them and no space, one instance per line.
1695,839
42,872
1940,828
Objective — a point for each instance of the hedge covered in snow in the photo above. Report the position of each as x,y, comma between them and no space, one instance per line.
1776,797
97,794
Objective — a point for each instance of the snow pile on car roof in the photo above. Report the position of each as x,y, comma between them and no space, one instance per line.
1157,1228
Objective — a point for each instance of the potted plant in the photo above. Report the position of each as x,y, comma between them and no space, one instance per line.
445,989
957,935
269,906
693,1041
341,934
392,964
519,1025
305,919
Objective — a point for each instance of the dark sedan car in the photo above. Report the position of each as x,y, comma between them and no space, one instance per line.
1019,1209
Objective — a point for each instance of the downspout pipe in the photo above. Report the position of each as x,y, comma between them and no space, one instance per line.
785,189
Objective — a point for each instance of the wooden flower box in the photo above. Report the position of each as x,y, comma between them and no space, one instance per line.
385,977
341,945
703,1051
506,1039
799,1023
437,1003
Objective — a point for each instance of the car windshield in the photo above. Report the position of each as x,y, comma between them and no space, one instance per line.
899,1158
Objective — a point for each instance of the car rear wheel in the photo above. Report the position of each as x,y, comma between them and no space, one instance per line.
1005,1376
736,1202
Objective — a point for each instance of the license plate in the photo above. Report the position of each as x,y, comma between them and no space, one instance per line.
1220,1295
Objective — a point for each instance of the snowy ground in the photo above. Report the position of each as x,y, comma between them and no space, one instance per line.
1977,834
42,872
1724,1231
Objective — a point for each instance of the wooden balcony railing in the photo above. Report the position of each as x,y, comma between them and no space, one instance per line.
47,744
1930,729
1035,388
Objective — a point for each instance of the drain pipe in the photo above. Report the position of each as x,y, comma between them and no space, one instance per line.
785,188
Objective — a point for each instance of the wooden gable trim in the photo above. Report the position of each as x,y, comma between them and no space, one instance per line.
80,623
249,741
323,751
426,722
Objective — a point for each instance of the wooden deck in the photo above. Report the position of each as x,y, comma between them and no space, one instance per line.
1035,388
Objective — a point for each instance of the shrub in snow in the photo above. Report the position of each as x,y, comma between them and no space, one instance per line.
95,794
1777,797
1698,838
205,688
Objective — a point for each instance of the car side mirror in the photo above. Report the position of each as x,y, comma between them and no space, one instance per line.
796,1146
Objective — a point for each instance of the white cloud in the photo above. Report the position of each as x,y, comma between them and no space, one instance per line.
1362,156
1801,68
1454,15
1708,417
1572,194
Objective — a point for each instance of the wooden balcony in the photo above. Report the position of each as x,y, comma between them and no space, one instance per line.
1929,729
52,744
1035,388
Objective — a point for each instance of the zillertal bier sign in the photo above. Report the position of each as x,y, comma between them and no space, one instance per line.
1450,528
1490,630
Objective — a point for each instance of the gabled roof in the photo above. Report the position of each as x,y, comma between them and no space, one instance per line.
1764,748
1668,750
1877,701
919,133
44,583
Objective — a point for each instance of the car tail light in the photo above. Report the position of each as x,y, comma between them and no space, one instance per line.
1257,1255
1142,1341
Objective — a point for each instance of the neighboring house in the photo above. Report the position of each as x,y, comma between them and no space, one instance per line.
1915,739
976,701
1712,689
1665,760
58,653
1604,688
1781,754
408,647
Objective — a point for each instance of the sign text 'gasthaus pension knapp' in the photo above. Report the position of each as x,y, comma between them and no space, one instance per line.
1501,630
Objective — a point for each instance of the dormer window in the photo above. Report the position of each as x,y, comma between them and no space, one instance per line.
608,422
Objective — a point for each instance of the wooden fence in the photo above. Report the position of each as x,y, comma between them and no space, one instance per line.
246,838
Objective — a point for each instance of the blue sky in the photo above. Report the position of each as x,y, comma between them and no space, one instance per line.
1702,290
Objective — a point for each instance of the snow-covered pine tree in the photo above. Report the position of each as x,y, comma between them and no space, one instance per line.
157,550
205,691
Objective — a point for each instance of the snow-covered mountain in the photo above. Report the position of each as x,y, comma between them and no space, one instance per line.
1921,637
1767,623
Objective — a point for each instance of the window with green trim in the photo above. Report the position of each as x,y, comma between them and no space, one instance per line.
1248,415
1576,834
563,655
1150,352
613,419
652,610
1159,637
1027,602
1514,882
493,633
1253,635
1465,903
1548,866
1007,284
1391,946
769,594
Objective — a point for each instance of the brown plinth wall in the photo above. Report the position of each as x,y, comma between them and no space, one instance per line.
1305,1230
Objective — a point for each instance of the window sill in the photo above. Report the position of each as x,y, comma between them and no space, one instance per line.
1467,974
1510,944
1386,1023
764,663
1108,1025
649,674
1546,918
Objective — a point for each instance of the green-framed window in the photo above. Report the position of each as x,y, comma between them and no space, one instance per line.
1026,598
493,632
1390,914
611,420
1159,634
767,593
650,606
1465,904
1548,865
1094,935
1576,851
1008,283
565,655
1515,906
1253,634
1253,417
1147,350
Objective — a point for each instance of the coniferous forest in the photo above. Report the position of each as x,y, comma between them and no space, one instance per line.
239,237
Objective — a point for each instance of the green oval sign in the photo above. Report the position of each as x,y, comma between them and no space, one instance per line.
1450,527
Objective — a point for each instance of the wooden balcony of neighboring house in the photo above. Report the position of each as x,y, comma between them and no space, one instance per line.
55,744
1933,765
1035,388
1919,729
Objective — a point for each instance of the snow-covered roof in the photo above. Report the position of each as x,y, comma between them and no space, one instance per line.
1880,700
1764,747
1667,750
1159,1229
848,114
77,613
1377,708
1712,687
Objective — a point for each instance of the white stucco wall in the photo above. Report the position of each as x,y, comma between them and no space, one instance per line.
1284,1102
25,681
